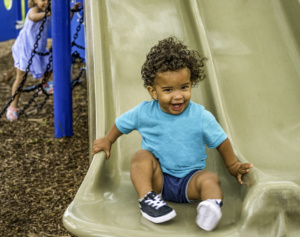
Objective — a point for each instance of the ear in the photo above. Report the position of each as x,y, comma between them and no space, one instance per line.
152,92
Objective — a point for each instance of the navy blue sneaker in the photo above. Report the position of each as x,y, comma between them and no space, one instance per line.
154,209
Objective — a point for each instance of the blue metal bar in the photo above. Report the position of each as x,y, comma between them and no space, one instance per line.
19,22
7,20
18,10
62,63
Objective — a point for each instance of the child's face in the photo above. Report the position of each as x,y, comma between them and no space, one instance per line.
41,4
172,89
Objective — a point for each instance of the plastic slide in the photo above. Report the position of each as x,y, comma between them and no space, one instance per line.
252,87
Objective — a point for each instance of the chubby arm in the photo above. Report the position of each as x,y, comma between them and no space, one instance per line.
234,167
105,143
35,15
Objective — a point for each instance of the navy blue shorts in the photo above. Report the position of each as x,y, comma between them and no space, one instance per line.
175,189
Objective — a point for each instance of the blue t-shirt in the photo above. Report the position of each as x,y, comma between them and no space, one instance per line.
177,141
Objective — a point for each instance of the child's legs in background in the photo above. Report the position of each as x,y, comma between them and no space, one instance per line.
146,174
204,185
19,77
48,77
46,86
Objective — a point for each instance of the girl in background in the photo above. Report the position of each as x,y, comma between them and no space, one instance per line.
23,47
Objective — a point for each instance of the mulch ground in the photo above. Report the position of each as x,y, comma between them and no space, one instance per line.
39,174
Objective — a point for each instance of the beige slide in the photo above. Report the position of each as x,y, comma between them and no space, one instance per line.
252,87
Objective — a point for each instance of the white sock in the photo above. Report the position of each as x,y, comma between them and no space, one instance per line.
218,201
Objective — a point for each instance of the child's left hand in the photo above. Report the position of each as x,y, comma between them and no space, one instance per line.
77,5
243,169
235,168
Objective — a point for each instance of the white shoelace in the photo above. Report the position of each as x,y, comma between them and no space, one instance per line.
157,202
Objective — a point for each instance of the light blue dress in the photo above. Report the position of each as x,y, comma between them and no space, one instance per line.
24,44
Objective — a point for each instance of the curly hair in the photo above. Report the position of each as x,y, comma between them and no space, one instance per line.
171,55
31,3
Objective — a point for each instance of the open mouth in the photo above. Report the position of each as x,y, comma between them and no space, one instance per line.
177,107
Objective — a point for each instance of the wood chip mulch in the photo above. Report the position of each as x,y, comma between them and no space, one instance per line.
39,174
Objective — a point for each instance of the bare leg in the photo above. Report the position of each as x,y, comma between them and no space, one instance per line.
145,173
48,76
15,86
146,176
204,185
11,72
48,88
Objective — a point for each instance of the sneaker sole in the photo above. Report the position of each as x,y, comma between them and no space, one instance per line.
49,93
208,216
160,219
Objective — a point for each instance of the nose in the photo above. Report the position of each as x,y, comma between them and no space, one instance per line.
177,95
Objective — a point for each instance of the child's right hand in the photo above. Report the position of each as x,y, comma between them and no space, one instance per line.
102,144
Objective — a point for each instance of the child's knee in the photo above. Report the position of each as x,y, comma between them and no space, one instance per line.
143,159
139,155
207,179
19,75
211,178
203,183
142,156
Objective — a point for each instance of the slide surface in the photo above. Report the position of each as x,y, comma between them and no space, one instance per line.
252,88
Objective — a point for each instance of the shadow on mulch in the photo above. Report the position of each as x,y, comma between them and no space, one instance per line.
39,174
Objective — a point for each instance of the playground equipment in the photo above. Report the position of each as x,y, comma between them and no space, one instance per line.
252,87
63,113
62,61
13,16
63,117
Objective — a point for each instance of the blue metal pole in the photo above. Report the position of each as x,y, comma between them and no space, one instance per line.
19,21
62,63
18,10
